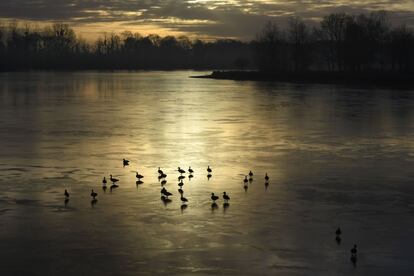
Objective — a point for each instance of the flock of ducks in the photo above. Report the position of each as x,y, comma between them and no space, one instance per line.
166,194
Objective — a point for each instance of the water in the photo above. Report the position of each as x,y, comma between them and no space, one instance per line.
336,156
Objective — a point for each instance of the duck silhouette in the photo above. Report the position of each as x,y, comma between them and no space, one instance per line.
104,181
183,199
180,170
113,180
66,193
354,250
160,171
226,197
266,177
338,231
209,170
94,194
125,162
190,170
214,197
139,176
251,174
165,192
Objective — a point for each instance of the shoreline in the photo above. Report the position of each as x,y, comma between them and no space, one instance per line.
403,80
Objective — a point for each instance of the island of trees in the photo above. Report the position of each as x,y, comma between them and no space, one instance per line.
340,45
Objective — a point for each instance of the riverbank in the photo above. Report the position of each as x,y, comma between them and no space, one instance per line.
374,78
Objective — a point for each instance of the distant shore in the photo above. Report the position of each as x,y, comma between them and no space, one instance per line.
372,79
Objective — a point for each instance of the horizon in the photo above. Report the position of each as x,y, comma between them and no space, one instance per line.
206,20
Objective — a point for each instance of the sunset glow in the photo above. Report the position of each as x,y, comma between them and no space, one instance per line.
195,18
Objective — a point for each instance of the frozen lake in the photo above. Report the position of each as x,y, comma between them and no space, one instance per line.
336,156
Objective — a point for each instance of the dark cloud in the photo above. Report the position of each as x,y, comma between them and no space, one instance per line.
216,18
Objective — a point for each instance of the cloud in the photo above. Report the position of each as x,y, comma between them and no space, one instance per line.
212,18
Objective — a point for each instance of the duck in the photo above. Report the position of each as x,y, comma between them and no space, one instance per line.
104,181
226,197
183,199
190,170
113,180
209,170
181,183
125,162
266,177
180,191
139,176
214,197
163,175
93,194
180,170
354,250
245,179
164,182
66,193
165,192
160,171
338,231
250,173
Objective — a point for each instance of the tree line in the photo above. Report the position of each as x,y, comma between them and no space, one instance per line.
58,47
340,42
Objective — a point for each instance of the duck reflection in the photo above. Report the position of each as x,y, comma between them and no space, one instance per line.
165,200
226,205
113,187
93,202
214,207
183,207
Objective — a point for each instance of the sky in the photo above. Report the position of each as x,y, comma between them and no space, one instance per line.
239,19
